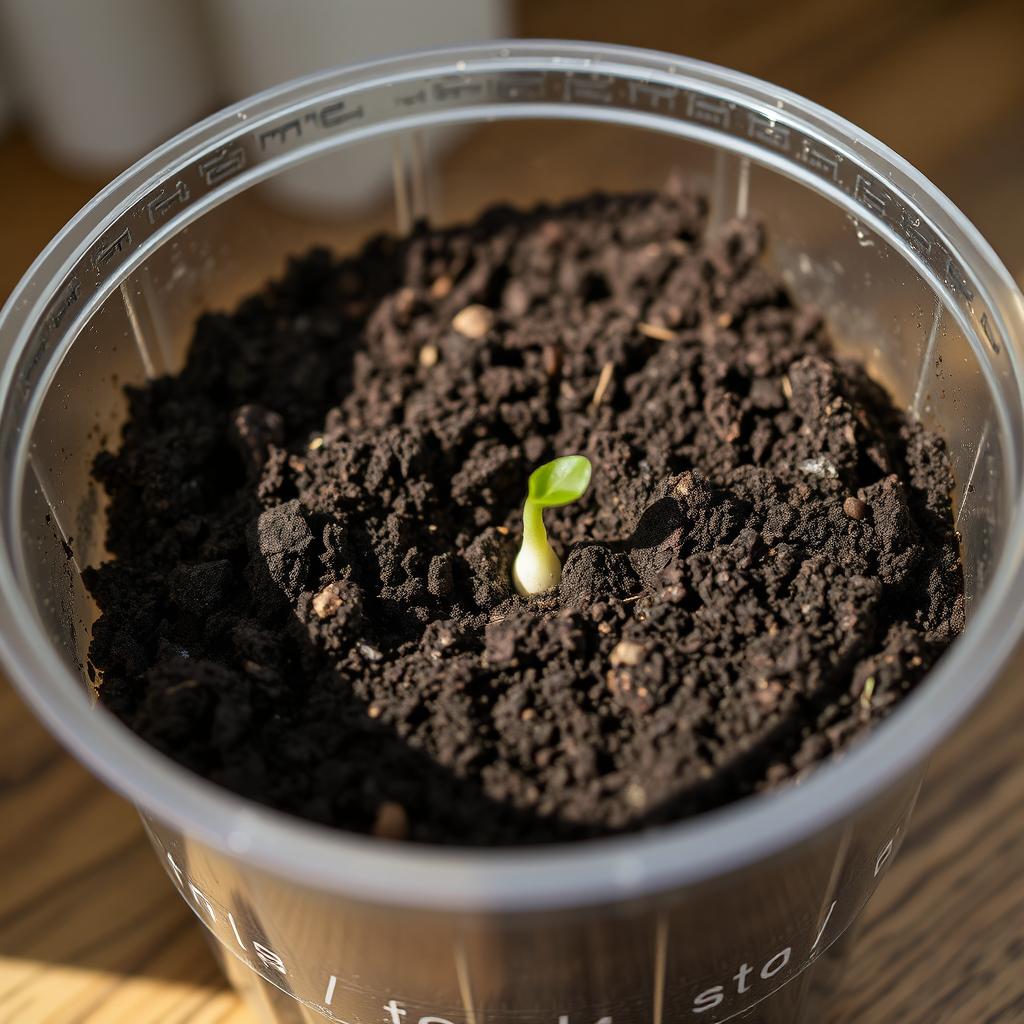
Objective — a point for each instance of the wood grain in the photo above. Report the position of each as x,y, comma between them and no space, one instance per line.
90,929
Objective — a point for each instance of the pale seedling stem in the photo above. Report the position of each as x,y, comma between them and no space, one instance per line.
537,568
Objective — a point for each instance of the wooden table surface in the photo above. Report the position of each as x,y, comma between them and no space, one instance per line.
91,930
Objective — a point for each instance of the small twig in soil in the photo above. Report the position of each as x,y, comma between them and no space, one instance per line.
602,383
657,332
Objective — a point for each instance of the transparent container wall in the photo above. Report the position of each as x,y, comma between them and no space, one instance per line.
879,309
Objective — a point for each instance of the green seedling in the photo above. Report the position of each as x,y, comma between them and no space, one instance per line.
537,568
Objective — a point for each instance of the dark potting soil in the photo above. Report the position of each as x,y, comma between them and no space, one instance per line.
314,522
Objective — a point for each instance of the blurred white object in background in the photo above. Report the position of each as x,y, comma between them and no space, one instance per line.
260,43
103,81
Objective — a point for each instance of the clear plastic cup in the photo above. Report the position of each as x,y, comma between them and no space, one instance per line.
737,914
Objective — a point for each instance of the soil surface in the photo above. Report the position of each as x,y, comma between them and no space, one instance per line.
313,526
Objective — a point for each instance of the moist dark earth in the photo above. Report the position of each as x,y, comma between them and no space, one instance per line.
312,527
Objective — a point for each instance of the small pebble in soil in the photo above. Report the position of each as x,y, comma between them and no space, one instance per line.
473,321
391,822
552,356
441,287
855,508
626,652
327,602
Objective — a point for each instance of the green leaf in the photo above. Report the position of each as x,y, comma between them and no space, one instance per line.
560,481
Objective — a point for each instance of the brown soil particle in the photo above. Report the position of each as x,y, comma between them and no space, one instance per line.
855,508
313,525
